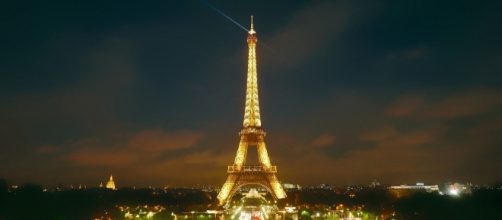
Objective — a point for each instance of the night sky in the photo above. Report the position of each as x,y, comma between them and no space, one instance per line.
153,92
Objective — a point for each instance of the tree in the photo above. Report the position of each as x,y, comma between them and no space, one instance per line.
3,186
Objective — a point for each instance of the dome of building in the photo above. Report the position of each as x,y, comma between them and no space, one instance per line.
110,184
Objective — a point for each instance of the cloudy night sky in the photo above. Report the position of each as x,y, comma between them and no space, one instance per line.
153,91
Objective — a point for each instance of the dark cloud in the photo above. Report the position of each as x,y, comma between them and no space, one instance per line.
140,147
155,140
153,92
380,134
88,104
324,140
406,55
405,105
468,103
308,32
47,149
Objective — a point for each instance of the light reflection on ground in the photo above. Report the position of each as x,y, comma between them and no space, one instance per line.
252,206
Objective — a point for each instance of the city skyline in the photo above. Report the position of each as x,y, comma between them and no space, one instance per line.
154,93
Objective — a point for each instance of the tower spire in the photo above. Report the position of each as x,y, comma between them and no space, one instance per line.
252,108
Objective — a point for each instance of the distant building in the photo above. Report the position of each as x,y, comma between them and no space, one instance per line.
417,186
111,184
404,190
325,186
455,189
375,184
290,186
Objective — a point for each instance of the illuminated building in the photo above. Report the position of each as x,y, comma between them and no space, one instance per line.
375,184
110,184
455,189
405,190
241,174
417,186
290,186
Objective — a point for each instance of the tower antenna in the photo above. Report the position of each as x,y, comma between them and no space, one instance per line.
252,31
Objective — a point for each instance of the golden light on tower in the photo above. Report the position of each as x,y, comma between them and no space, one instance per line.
251,134
252,109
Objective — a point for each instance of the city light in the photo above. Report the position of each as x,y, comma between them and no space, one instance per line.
125,110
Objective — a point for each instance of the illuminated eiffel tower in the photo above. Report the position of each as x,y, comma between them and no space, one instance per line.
251,135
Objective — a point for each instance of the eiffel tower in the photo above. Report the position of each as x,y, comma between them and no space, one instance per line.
251,135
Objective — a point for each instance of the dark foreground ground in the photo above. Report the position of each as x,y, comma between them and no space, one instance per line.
32,202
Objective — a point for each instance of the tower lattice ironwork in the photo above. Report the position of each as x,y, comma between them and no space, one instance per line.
251,135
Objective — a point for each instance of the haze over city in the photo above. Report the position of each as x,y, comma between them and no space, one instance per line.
153,92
